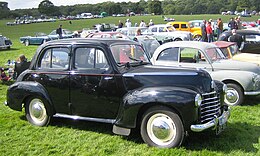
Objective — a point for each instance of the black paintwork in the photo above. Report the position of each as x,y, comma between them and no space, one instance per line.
249,46
119,93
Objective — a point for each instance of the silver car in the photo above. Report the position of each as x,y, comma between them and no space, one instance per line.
242,78
5,43
168,31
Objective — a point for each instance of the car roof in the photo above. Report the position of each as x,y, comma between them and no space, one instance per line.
94,41
245,31
223,44
188,44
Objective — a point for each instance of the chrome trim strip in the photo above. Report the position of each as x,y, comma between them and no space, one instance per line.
159,74
75,117
252,93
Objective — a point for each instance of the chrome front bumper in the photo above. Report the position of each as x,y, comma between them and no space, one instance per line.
218,121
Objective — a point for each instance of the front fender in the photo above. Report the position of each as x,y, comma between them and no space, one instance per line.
18,92
244,78
136,102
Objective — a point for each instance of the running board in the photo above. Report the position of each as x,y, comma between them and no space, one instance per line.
75,117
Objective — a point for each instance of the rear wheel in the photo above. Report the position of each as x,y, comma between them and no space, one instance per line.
234,95
162,127
197,38
36,112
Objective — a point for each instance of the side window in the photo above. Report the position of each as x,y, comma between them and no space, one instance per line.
89,58
252,38
54,58
154,29
162,29
184,26
189,55
176,26
170,54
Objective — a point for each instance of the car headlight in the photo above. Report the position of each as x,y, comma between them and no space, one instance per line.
198,100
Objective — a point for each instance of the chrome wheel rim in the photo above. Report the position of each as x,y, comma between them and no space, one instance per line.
231,97
37,111
161,129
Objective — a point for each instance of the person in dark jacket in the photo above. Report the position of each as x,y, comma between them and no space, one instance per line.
59,31
236,38
21,65
232,24
204,32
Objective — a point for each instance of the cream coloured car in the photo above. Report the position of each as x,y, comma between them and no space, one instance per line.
242,78
230,50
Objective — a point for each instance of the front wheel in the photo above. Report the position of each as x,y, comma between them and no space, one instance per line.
36,112
162,127
234,95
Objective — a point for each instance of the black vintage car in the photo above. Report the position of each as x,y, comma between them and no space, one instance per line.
251,40
112,81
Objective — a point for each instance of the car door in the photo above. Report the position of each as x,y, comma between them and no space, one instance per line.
52,72
93,88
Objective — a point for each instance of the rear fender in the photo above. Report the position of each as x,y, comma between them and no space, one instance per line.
19,92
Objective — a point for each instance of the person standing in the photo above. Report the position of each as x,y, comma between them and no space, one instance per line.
203,32
219,27
238,21
120,24
59,32
236,38
232,24
209,32
128,23
151,22
142,24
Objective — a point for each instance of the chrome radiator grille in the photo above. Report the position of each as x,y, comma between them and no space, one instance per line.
210,106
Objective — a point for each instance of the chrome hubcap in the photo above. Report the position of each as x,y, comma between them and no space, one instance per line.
37,110
232,96
161,129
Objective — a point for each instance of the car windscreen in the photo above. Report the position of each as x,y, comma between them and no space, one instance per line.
215,54
128,53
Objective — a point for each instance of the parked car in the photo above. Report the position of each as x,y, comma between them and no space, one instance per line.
112,81
251,40
41,37
186,26
38,39
230,50
5,43
193,54
132,32
164,32
107,34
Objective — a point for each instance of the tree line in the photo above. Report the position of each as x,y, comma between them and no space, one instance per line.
166,7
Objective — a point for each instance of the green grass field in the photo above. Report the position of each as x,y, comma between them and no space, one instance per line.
69,137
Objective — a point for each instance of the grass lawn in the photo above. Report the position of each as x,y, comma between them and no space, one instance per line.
69,137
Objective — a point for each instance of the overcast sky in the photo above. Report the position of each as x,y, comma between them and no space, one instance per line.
25,4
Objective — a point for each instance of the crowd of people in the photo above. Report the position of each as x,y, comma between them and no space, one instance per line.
207,30
128,23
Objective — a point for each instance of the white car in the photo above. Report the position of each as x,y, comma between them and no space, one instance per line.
167,31
242,78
